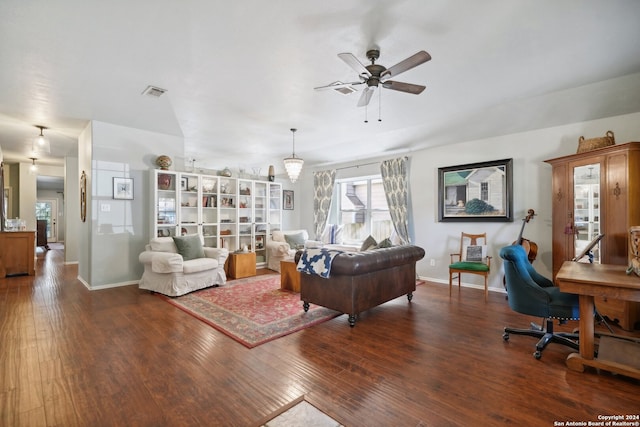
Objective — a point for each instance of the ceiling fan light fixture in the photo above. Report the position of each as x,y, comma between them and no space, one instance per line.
293,164
41,143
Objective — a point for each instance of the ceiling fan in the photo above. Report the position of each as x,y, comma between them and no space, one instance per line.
374,75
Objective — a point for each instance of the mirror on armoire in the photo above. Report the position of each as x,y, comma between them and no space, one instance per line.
586,208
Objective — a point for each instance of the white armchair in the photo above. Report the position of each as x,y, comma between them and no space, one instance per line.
166,271
278,249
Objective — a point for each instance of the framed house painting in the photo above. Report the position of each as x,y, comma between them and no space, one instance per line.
123,188
476,192
287,199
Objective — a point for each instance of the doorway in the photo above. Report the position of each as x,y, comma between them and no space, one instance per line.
47,209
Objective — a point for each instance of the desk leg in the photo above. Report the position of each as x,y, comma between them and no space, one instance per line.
576,361
586,326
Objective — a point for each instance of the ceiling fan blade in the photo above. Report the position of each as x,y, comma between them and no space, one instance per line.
367,93
353,62
402,66
403,87
337,85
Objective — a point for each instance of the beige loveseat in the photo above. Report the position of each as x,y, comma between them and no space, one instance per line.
166,272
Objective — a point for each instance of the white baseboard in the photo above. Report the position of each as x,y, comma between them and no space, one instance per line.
106,286
466,285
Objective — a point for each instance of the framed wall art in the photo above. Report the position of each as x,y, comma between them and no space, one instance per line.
123,188
287,199
476,192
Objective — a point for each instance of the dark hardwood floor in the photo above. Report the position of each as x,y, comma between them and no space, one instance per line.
124,357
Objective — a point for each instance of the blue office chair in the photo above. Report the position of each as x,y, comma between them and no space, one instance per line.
530,293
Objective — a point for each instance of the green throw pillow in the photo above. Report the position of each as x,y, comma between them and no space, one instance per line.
386,243
369,243
295,240
189,246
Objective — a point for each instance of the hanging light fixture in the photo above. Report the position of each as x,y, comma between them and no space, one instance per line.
293,164
40,143
33,168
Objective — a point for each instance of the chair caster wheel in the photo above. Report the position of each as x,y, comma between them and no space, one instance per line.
537,354
505,336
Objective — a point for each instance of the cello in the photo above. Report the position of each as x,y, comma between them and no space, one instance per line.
530,247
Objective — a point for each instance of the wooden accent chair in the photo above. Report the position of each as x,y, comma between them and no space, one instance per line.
471,259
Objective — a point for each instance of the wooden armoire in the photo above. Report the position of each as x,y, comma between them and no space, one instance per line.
598,192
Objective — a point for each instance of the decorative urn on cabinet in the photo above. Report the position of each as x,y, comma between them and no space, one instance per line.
164,162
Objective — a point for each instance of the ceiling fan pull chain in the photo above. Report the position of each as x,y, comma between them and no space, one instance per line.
380,104
366,108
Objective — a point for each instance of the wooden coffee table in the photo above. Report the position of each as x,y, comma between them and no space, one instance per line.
289,276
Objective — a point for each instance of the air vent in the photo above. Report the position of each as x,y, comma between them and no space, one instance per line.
345,90
153,91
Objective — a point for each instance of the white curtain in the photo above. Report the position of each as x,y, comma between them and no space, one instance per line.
396,187
323,191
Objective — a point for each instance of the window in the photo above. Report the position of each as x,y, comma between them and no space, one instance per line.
484,191
362,209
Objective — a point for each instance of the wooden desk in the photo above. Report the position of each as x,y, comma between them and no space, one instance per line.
289,276
589,281
241,265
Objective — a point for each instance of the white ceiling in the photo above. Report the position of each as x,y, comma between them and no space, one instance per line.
240,74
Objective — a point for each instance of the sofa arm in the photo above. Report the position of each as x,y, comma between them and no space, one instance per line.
162,262
278,248
221,254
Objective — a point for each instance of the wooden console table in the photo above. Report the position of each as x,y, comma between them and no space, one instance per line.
17,253
596,280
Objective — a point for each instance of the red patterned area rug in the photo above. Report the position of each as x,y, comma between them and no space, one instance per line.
252,311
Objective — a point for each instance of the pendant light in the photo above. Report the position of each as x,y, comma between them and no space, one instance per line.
33,168
293,164
40,143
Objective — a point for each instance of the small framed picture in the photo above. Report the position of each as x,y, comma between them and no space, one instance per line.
123,188
184,184
287,200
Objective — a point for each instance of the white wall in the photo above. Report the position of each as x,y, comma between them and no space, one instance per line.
111,259
84,228
27,196
531,190
119,229
71,210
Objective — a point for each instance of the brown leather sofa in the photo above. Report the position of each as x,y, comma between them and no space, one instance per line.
362,280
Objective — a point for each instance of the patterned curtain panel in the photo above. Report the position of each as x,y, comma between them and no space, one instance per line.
395,181
323,191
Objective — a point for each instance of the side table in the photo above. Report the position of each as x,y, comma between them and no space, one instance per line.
241,265
289,276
